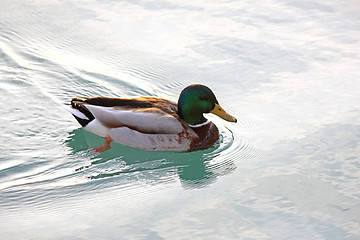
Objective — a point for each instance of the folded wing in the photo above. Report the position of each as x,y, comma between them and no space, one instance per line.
149,120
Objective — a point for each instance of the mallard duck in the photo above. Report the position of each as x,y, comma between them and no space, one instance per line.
152,123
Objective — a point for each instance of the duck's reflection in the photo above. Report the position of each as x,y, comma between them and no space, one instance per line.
194,169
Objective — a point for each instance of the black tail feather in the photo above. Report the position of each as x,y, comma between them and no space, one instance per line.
77,103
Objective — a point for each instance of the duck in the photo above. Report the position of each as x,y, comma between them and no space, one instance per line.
153,123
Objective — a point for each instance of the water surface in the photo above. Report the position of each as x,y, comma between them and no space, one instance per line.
287,70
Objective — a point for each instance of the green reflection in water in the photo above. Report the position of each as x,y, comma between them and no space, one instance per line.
194,169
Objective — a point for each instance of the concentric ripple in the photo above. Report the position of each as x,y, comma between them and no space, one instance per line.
36,170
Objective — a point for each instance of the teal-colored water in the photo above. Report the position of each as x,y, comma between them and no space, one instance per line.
287,70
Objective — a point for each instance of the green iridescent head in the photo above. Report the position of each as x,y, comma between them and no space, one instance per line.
195,100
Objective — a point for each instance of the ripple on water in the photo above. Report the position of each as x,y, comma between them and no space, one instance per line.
82,172
128,168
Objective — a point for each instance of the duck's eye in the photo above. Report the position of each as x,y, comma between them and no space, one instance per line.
203,98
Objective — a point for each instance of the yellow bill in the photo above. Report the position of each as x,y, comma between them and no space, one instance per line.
219,111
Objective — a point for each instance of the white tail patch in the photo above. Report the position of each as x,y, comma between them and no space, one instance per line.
75,112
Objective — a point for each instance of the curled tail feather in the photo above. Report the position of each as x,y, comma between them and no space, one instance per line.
80,112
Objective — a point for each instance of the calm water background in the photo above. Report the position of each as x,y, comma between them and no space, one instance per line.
288,70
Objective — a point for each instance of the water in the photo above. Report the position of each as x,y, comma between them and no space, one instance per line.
288,70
